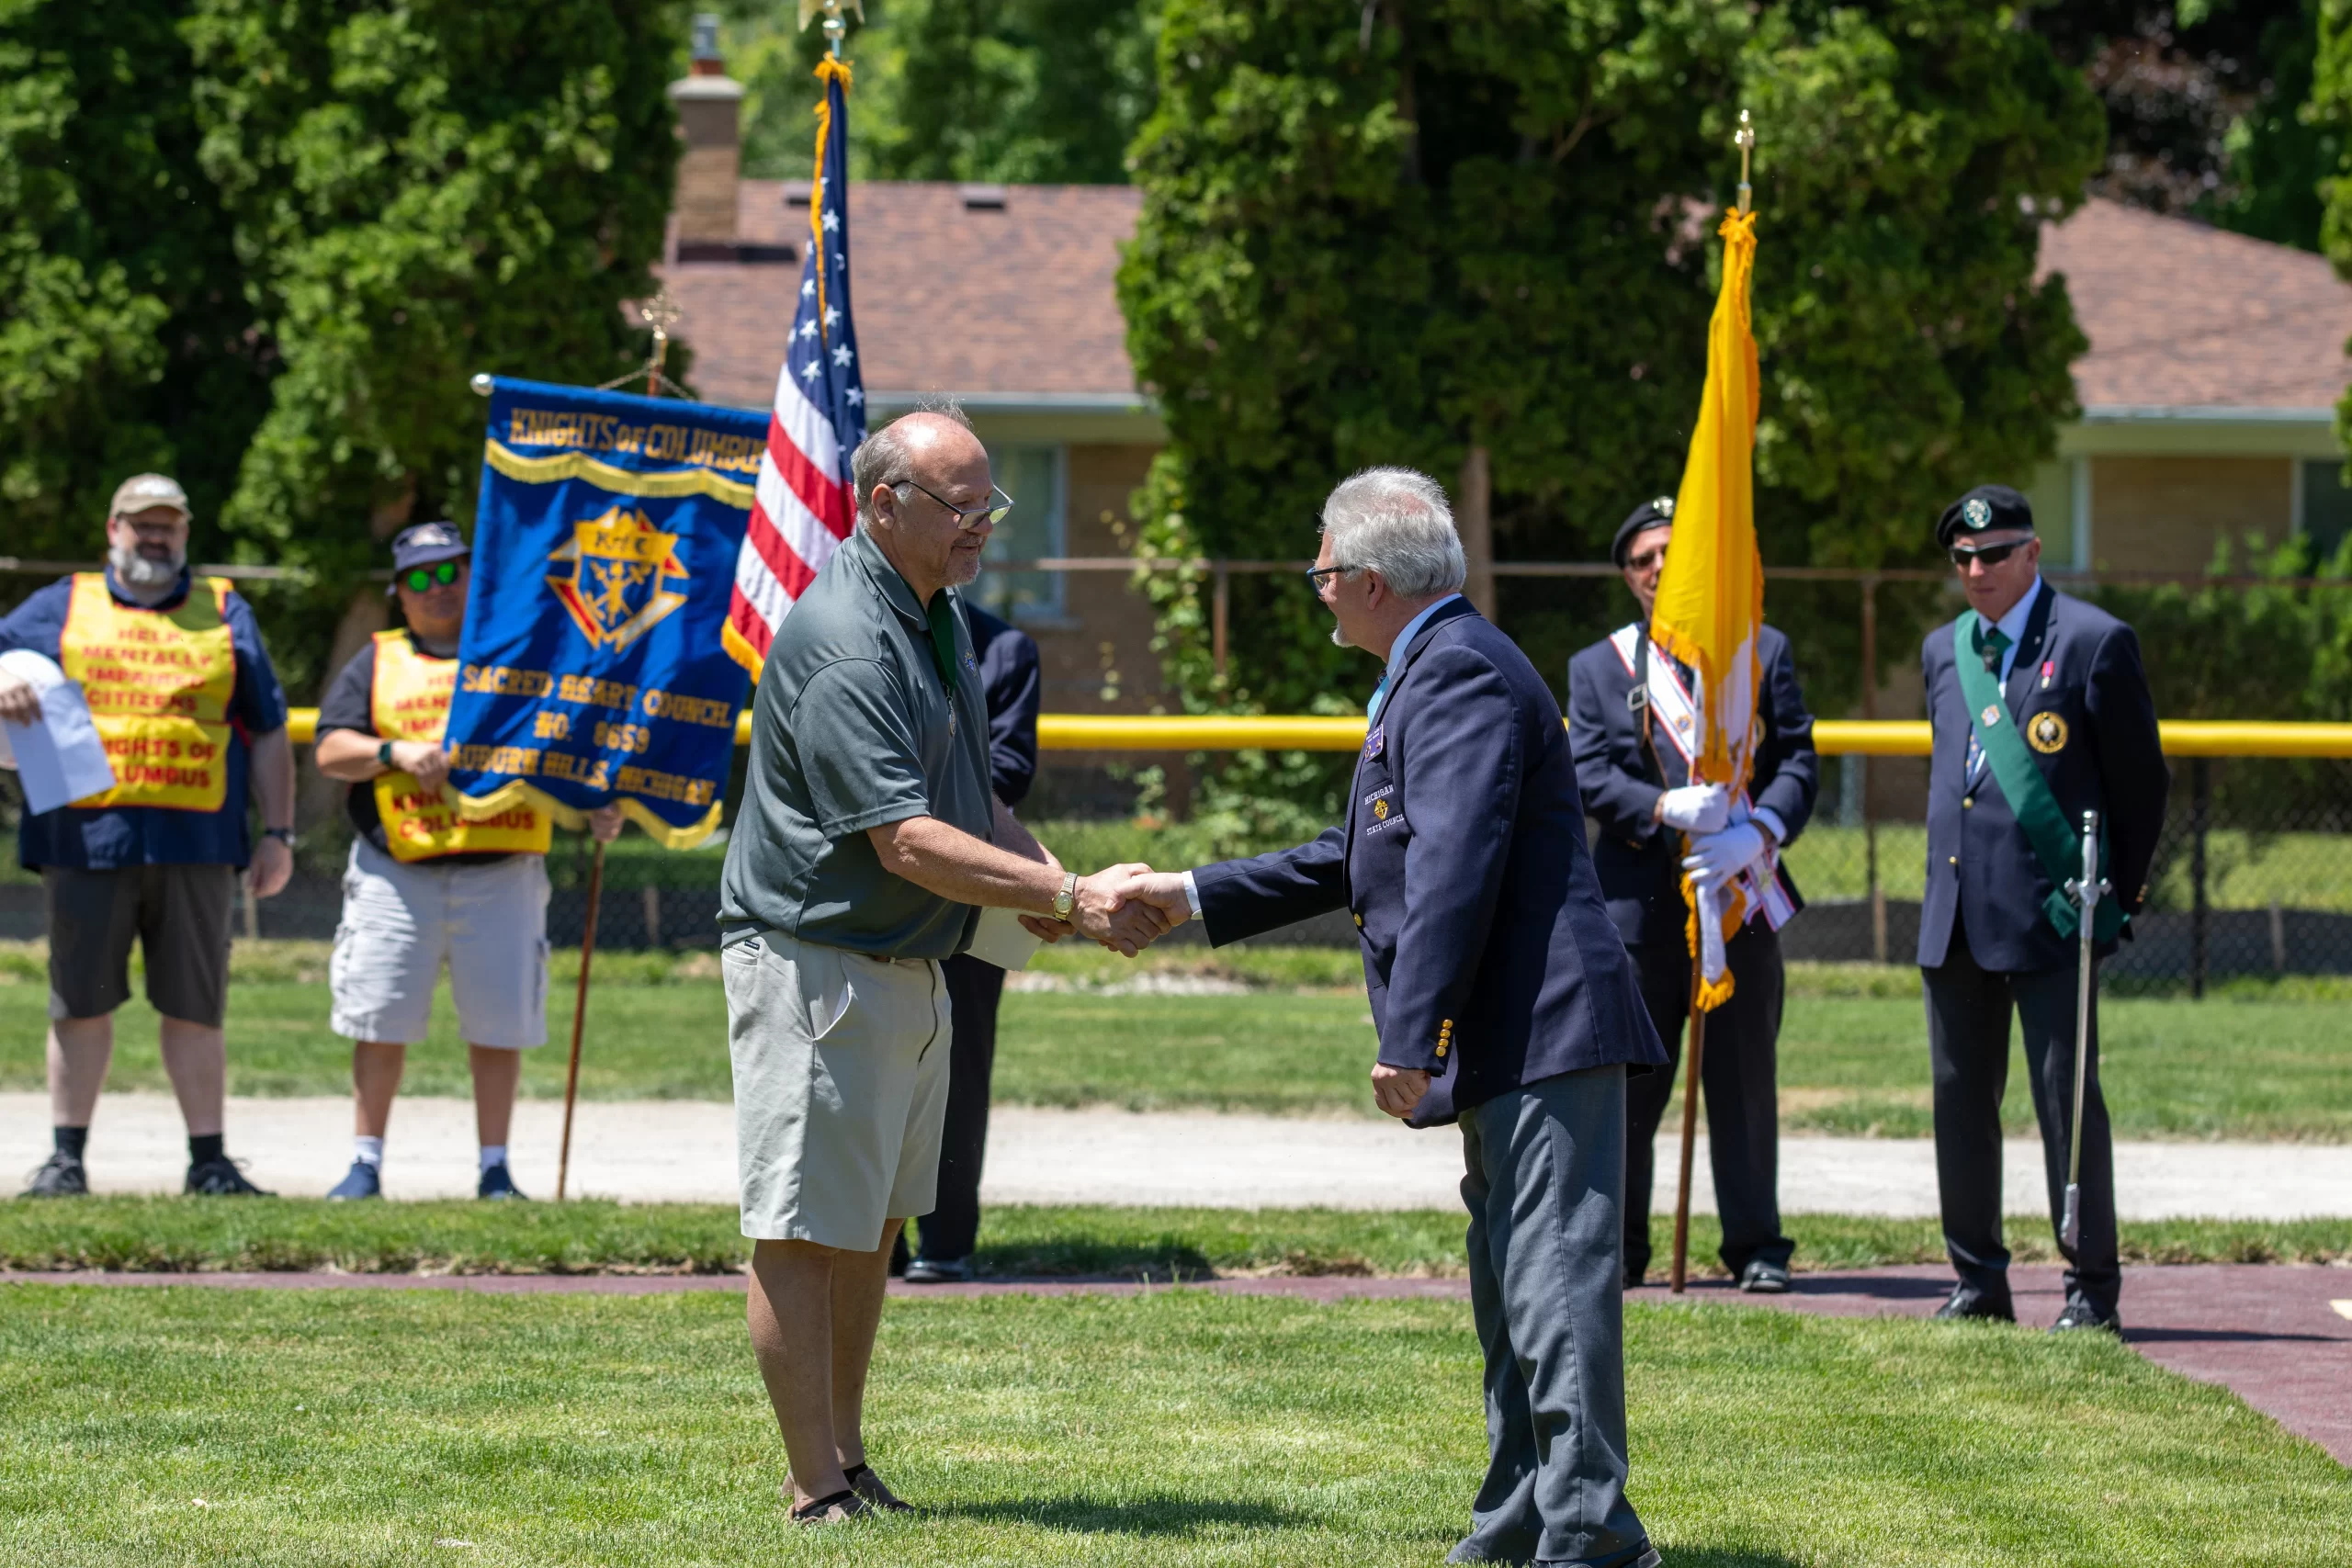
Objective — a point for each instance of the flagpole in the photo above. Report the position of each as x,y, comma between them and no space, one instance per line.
1744,140
1689,1131
661,313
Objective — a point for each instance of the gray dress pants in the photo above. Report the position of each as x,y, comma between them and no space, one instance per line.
1544,1181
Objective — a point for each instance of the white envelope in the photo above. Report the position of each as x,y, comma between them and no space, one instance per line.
60,759
1001,939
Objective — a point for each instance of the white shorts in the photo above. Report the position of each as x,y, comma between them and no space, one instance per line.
400,923
840,1088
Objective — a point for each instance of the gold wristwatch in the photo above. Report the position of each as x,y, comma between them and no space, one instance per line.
1067,899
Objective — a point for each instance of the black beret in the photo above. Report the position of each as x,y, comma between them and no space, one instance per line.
1657,513
1983,510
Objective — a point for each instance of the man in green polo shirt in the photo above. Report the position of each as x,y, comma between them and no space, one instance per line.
865,847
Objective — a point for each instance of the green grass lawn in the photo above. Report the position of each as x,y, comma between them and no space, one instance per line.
176,1426
2261,1062
183,1235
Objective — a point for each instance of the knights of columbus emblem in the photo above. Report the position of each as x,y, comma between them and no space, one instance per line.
613,576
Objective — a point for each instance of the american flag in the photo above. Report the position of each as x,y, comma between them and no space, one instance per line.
805,507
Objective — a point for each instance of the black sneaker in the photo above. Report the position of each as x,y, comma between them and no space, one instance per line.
498,1183
62,1176
939,1271
2080,1313
222,1177
1966,1302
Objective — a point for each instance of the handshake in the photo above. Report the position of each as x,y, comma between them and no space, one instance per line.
1125,907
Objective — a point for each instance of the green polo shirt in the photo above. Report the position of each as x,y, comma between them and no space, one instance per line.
853,727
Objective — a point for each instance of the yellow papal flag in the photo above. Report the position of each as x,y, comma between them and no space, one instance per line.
1711,593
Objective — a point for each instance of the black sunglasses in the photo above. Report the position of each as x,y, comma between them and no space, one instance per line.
1991,555
423,579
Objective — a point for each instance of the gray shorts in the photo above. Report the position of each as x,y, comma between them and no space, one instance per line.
179,915
841,1089
400,923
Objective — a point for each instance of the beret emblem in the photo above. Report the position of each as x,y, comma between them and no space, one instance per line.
1976,513
1663,506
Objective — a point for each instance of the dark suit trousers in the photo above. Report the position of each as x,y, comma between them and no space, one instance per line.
1739,1073
1544,1168
1968,1049
974,989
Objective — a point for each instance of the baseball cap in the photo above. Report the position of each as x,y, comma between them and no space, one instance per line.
141,491
427,543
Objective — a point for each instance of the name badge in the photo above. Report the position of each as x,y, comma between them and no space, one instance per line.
1373,742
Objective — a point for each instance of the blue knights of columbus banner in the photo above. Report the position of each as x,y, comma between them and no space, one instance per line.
592,668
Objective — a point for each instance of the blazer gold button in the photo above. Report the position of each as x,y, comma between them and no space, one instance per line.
1951,860
1967,801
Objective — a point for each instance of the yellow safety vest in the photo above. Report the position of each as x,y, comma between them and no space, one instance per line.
158,683
409,701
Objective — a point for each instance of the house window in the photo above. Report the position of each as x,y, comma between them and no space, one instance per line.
1037,527
2327,506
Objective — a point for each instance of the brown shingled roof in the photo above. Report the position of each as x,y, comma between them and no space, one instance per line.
2180,315
950,296
1019,300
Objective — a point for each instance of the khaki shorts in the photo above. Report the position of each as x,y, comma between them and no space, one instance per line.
178,915
841,1089
400,923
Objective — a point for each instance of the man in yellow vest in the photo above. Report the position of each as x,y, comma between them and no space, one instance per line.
189,711
425,887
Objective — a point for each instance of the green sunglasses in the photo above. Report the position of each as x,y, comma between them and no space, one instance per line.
423,579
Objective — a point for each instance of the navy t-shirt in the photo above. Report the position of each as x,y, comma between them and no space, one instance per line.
110,838
350,704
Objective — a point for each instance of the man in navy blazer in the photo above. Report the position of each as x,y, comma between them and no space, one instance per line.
2076,702
1502,997
1633,767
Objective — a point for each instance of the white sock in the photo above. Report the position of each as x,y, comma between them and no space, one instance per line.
492,1154
369,1152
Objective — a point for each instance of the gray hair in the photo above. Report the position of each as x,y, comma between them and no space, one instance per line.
886,457
1396,522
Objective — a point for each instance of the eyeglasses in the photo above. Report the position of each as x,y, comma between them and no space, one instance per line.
1316,574
1645,561
1991,555
967,517
423,580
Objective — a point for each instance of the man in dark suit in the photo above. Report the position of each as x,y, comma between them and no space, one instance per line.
1502,997
1008,677
1633,764
2070,727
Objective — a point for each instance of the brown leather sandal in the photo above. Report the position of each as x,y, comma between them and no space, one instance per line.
838,1508
869,1487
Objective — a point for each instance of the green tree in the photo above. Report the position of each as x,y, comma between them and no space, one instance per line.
1489,223
122,324
420,191
1029,91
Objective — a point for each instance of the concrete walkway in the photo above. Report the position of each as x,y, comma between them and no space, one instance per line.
684,1151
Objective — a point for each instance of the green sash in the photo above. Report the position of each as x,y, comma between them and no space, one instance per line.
2057,843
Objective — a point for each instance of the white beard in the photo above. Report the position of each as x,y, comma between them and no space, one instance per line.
1339,639
135,571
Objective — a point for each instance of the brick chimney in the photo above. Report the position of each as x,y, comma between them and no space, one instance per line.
709,106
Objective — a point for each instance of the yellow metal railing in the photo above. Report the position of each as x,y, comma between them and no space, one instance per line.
1311,732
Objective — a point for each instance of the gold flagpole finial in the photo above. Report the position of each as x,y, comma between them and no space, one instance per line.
1744,140
835,27
661,313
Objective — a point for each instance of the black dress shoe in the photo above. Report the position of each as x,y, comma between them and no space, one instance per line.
221,1178
2080,1313
1966,1301
1763,1279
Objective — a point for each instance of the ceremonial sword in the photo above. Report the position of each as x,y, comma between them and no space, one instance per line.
2085,890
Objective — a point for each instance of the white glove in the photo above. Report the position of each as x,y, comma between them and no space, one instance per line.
1717,858
1696,808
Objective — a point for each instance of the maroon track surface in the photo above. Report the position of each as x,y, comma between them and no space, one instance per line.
2267,1332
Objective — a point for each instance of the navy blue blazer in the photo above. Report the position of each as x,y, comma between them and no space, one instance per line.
1008,677
1981,870
1486,949
1638,861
